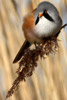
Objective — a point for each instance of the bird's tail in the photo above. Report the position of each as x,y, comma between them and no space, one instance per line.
25,45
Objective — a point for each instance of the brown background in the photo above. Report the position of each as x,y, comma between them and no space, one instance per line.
49,81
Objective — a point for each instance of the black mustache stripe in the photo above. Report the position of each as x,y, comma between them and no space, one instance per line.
37,20
46,15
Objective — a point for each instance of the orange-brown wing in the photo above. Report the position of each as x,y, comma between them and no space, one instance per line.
28,24
29,21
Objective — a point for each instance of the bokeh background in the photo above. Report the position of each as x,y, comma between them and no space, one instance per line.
49,80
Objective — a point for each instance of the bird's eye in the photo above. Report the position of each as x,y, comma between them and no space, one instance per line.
37,20
45,11
46,15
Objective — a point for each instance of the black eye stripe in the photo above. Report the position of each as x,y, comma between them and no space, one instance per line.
46,15
37,20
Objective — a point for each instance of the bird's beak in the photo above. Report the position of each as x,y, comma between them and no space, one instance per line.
40,15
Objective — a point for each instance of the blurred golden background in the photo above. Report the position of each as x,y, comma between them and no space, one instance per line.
49,80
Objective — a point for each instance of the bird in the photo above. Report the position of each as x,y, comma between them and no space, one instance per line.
41,23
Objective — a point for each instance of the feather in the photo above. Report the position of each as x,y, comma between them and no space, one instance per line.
25,45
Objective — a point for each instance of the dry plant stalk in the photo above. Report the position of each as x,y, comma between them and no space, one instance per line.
29,60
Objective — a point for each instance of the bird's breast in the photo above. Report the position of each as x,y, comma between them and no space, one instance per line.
46,28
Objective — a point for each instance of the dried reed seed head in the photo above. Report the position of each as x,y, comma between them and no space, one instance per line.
29,60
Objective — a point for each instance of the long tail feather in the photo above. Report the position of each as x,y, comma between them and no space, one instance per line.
25,45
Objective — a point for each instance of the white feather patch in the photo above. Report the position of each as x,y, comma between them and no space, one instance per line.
45,28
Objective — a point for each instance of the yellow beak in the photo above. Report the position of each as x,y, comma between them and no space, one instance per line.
40,15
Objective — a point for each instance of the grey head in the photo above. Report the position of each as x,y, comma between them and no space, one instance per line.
52,13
